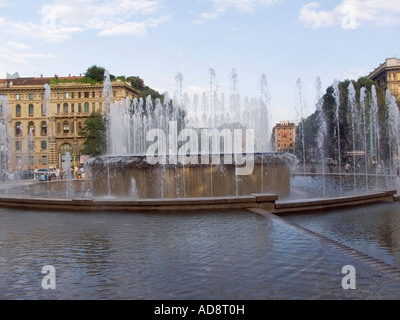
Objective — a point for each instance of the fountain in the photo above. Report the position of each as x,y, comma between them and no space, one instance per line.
215,152
192,151
184,155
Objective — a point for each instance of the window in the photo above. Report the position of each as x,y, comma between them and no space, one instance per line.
72,108
66,148
58,127
31,109
79,95
31,128
18,129
65,127
18,110
66,95
72,127
73,95
31,96
79,107
58,108
86,108
79,125
43,96
19,96
65,108
43,144
43,109
31,160
93,106
44,160
43,128
86,94
93,94
18,145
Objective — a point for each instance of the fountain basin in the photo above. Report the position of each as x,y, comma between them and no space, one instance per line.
134,177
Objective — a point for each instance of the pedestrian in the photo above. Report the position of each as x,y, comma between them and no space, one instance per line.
378,168
347,167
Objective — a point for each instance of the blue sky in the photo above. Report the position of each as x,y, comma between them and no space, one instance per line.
155,39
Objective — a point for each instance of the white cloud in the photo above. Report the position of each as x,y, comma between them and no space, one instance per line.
4,3
17,45
12,52
221,6
60,20
351,14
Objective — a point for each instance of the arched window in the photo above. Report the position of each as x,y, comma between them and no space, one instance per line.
43,128
18,110
58,127
66,153
86,107
65,127
18,129
65,108
31,128
31,109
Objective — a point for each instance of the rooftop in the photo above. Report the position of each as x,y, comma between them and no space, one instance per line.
389,63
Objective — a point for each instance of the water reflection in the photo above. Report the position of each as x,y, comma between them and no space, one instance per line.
213,255
374,229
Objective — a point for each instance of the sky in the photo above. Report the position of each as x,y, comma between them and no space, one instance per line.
290,42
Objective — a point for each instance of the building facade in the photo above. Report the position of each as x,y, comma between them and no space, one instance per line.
387,75
41,130
285,136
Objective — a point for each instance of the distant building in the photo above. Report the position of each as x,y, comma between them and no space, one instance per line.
40,138
387,75
285,136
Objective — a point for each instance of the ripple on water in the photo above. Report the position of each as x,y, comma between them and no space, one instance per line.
213,255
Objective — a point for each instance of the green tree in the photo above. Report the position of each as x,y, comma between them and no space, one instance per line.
94,131
309,128
97,73
345,122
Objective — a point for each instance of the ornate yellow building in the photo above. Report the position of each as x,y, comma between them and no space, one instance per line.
41,131
387,75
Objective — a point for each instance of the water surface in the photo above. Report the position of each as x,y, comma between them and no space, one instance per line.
208,255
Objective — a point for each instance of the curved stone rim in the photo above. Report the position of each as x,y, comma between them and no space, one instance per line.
266,202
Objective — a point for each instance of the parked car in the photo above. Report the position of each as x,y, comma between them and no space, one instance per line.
25,175
45,175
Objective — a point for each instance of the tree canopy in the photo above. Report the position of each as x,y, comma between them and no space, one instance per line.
94,131
97,73
349,127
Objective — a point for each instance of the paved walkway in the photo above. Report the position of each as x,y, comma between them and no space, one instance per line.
16,183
